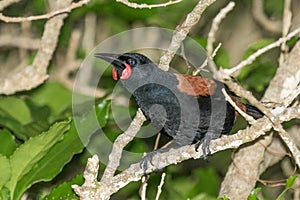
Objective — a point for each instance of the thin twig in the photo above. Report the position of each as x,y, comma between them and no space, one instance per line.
188,66
286,25
121,141
181,32
136,5
45,16
249,118
159,188
288,140
157,141
234,70
143,188
201,68
214,28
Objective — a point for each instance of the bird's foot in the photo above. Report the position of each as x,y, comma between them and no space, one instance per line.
146,161
205,145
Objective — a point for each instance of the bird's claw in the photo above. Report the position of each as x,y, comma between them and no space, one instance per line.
145,161
205,146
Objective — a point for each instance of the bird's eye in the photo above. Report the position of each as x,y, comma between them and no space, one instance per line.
131,62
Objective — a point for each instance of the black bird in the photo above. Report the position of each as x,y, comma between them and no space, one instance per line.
189,109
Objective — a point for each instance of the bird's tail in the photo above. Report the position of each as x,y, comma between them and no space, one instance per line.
253,111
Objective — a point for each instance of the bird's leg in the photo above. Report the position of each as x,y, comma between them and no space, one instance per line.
147,159
208,137
205,145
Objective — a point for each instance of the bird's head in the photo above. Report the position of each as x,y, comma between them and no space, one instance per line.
127,65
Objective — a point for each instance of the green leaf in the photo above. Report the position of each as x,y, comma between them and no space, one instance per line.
7,143
5,170
16,109
64,190
4,194
222,58
102,112
31,152
54,95
253,194
53,162
61,153
14,126
289,184
35,128
208,182
291,181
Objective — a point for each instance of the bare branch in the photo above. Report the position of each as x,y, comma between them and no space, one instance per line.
285,85
287,22
32,76
249,118
121,141
162,181
175,156
143,188
45,16
288,140
198,69
136,5
240,180
181,32
287,73
234,71
87,190
215,26
274,119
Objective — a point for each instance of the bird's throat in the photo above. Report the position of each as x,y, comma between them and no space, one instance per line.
126,73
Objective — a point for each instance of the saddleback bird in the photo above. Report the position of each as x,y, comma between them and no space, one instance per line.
189,109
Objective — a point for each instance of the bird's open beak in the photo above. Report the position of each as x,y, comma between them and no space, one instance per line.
111,58
117,63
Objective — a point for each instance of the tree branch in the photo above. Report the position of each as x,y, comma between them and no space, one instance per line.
234,71
175,156
45,16
214,28
181,32
136,5
26,78
119,144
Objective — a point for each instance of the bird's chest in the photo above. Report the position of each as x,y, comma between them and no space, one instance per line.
155,99
166,107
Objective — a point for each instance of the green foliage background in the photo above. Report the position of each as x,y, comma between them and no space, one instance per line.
39,144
